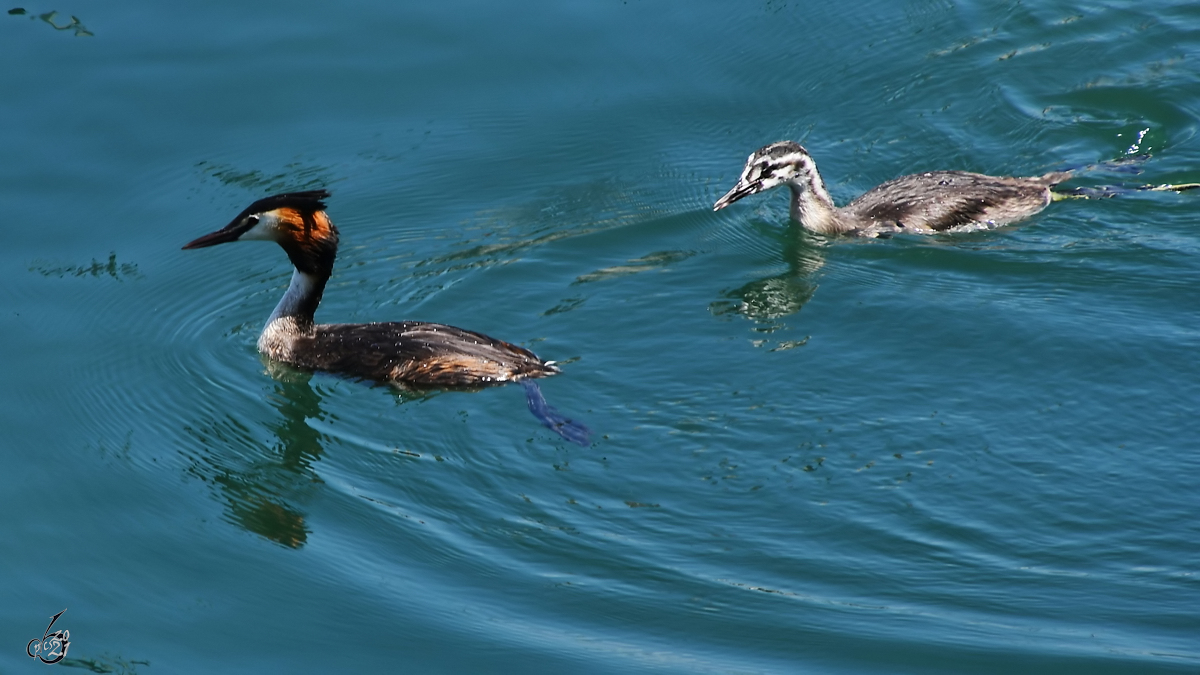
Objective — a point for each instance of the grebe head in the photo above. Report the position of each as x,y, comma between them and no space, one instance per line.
294,220
771,166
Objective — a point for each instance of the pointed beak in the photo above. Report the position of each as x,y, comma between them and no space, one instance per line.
742,189
222,236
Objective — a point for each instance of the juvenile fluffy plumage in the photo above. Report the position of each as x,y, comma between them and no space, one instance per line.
924,203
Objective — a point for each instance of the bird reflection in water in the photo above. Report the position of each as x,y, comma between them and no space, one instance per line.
264,492
771,298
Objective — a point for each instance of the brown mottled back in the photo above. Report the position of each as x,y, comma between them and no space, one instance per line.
417,354
944,200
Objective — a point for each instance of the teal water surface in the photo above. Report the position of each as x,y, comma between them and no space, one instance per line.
953,454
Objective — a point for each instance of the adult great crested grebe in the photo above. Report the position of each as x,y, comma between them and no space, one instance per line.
923,203
407,354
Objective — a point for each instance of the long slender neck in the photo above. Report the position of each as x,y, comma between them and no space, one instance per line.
299,303
293,316
811,204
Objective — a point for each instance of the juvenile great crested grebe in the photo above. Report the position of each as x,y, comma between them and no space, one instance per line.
924,203
403,353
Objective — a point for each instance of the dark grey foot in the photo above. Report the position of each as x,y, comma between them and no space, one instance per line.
553,420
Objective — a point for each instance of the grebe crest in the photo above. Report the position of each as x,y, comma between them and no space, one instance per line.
925,203
294,220
298,223
407,354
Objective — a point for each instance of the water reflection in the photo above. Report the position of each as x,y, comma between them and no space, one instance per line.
109,268
294,176
653,261
56,22
263,491
106,663
768,299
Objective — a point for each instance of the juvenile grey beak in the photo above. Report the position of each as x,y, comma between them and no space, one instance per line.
740,190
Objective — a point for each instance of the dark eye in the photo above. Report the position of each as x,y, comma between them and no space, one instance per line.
251,220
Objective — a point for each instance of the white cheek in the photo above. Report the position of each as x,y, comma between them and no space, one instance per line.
264,230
